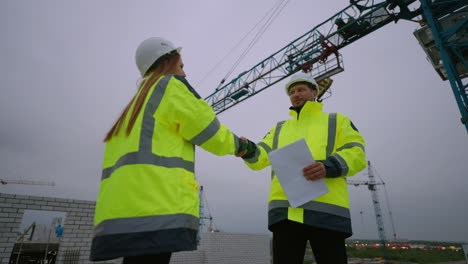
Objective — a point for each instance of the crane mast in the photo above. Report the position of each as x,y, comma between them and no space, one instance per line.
377,209
446,45
316,51
203,216
372,186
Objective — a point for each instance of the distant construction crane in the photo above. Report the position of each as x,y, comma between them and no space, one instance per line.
7,181
203,216
372,186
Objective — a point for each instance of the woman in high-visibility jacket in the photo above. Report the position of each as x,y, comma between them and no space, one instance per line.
148,204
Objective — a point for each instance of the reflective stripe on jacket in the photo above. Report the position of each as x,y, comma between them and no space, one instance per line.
328,136
148,199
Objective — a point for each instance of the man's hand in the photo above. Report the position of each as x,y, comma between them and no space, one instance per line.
314,171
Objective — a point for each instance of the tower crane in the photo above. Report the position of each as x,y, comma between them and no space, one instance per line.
372,186
317,51
7,181
203,216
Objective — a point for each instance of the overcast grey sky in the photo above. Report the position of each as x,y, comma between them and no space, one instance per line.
67,70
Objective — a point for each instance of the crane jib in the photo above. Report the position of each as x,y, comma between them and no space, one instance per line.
316,51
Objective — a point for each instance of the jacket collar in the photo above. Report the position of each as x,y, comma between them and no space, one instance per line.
309,107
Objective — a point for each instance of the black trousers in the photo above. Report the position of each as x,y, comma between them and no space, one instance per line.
290,240
163,258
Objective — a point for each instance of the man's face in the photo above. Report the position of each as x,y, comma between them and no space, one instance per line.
301,93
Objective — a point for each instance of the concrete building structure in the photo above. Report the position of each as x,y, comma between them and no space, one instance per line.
74,244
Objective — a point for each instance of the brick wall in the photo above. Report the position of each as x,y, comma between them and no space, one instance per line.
235,248
217,247
227,248
78,227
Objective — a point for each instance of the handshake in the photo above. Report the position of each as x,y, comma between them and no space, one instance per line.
246,149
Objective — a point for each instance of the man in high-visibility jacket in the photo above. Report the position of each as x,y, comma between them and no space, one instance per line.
148,204
338,148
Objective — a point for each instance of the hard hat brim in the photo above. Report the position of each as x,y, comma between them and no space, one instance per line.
289,84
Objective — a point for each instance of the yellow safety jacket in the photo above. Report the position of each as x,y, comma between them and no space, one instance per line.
148,199
329,137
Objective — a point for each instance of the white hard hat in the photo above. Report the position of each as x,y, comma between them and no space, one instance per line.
150,50
301,77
